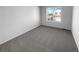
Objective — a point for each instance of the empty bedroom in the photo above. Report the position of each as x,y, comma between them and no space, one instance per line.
39,29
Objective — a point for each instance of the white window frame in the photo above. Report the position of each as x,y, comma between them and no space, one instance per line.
47,15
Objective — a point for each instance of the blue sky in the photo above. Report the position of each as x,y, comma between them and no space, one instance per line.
51,10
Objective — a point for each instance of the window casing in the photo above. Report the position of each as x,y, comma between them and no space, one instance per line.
54,14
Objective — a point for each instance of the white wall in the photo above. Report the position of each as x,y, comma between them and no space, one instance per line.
15,21
75,25
66,21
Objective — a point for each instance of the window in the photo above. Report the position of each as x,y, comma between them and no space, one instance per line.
54,14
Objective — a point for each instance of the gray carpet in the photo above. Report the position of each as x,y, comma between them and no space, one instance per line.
42,39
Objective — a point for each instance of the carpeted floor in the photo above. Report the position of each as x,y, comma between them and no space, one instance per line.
42,39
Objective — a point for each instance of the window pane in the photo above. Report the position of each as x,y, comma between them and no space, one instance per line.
54,14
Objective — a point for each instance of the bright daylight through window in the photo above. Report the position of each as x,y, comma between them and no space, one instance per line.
54,14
